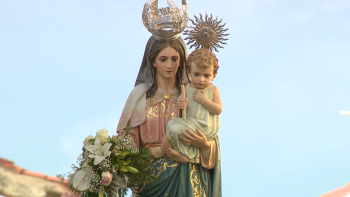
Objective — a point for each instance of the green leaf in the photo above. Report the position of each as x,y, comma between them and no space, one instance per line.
114,160
123,154
101,192
132,169
123,168
127,128
90,194
126,162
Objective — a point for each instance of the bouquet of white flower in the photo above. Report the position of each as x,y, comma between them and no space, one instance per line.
108,166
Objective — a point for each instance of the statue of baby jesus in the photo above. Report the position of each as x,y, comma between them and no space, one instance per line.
203,107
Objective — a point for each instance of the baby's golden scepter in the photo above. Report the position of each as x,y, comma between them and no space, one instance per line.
184,97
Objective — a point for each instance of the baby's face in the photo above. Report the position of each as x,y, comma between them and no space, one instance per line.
201,78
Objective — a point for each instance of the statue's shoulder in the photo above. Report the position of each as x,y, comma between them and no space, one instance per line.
139,89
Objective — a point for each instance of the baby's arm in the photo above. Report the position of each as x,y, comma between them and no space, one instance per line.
215,106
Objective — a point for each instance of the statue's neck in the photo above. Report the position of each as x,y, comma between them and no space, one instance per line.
166,84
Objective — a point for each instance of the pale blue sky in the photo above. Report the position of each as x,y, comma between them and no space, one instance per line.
67,67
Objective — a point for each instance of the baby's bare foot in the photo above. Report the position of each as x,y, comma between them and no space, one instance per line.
176,156
157,152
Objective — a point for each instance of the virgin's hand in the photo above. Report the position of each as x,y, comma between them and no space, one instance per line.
182,103
199,96
198,140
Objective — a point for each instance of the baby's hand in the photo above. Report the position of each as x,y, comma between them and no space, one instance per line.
181,103
199,96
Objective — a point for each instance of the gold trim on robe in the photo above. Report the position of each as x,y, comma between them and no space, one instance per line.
157,115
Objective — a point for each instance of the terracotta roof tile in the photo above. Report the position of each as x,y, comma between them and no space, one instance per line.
340,192
10,164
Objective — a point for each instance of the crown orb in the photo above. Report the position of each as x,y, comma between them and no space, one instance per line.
204,34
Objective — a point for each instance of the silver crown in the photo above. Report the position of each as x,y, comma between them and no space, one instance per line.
208,33
165,23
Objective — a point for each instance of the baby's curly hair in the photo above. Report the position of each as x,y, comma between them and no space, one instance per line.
204,59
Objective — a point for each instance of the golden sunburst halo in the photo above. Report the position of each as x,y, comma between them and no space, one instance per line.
207,33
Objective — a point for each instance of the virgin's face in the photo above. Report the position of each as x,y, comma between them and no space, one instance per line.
167,63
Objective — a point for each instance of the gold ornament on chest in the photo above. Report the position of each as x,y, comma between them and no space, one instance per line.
167,96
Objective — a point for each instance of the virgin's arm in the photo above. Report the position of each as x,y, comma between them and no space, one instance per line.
215,106
209,156
208,147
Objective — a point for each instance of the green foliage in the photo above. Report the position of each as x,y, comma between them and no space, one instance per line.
141,162
89,194
111,191
130,161
127,128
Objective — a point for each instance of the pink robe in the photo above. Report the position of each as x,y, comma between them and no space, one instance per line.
159,109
